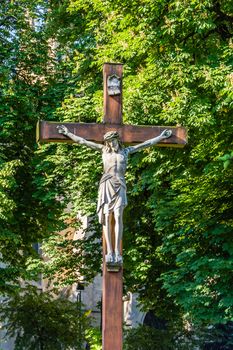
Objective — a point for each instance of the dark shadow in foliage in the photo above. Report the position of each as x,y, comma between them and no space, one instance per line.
222,337
39,321
148,338
156,333
151,320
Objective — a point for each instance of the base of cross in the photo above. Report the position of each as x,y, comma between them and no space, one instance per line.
113,261
113,266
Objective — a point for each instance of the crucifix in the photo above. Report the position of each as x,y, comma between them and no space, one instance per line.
112,197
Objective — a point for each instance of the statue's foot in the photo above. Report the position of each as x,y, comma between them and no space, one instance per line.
109,258
118,258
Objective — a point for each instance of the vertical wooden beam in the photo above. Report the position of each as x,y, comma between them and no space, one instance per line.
112,104
112,306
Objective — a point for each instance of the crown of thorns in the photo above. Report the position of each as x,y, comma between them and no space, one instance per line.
111,135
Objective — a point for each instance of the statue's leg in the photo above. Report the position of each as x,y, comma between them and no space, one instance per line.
107,235
118,215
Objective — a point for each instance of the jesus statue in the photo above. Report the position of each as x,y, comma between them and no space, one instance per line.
112,197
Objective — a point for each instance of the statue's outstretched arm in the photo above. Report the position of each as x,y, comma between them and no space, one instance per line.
148,143
62,129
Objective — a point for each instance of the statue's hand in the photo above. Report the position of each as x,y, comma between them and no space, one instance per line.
166,134
62,129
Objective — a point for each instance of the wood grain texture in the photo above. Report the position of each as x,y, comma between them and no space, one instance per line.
112,104
129,134
112,306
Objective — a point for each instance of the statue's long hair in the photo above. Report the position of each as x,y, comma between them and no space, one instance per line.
107,147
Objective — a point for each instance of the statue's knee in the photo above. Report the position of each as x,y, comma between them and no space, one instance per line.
107,218
118,215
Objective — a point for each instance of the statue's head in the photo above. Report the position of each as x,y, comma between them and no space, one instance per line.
112,141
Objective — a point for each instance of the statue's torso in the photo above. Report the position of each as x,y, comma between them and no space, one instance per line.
115,163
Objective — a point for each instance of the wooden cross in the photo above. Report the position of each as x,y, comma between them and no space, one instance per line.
112,308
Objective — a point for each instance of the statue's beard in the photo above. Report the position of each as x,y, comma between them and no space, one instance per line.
115,148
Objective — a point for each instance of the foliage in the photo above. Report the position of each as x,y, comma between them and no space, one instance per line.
24,59
146,338
64,261
177,59
38,320
178,70
93,337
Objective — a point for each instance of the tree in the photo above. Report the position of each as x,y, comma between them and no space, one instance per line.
40,321
29,91
177,70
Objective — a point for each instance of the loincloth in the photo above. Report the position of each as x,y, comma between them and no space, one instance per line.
111,195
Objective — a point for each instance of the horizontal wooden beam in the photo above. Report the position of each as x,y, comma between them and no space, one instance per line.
130,134
47,131
139,133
